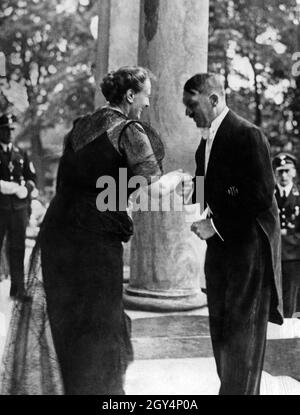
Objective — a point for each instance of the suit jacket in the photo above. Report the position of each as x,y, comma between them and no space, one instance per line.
240,160
289,213
16,167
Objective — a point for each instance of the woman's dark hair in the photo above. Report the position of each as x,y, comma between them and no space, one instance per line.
116,83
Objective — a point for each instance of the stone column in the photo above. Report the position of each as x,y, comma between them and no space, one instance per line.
166,258
117,44
102,51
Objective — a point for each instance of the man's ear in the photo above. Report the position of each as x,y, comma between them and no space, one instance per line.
130,94
214,100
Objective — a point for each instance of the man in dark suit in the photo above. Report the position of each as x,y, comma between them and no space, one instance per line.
17,180
242,265
288,200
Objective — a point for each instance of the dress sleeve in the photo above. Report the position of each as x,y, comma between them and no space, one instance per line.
137,147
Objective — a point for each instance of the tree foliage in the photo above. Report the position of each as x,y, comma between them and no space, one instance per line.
49,51
252,43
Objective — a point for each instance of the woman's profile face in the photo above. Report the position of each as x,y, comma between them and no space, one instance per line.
141,100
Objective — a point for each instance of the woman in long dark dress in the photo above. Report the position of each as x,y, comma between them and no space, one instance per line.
80,251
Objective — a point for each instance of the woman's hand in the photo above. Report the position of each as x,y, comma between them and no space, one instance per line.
174,178
185,187
168,182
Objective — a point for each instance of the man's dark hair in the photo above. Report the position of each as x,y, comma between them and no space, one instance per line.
206,83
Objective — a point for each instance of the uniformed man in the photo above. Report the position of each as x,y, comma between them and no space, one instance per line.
288,200
17,180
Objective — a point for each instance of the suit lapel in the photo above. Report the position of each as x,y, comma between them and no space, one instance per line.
277,195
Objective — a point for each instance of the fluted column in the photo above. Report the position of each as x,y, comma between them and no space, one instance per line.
166,258
117,43
102,49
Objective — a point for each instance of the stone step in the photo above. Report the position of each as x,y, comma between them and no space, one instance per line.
170,326
172,347
187,336
282,357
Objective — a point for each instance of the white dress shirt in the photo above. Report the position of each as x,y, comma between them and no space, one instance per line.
287,189
209,135
7,146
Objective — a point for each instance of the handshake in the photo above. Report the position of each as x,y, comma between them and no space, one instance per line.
178,180
12,188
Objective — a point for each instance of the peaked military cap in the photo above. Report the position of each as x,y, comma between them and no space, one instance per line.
284,161
7,121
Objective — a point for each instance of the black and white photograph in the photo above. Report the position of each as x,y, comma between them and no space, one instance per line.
149,200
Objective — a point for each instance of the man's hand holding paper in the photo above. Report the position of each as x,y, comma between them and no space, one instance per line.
203,228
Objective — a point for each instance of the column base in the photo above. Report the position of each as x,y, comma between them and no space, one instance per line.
160,301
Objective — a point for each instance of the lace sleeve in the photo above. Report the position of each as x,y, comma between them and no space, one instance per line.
136,145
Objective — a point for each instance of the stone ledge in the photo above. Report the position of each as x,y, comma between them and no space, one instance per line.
163,303
170,326
187,336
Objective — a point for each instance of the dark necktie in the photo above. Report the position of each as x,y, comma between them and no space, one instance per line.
284,197
200,170
201,158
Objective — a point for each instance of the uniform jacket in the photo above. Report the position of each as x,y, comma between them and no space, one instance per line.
289,212
15,166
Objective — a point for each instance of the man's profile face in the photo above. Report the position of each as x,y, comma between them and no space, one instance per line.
285,176
199,107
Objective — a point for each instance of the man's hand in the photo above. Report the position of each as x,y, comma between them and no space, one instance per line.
8,188
203,229
22,192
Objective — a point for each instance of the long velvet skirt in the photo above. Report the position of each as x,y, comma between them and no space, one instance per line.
83,277
75,282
